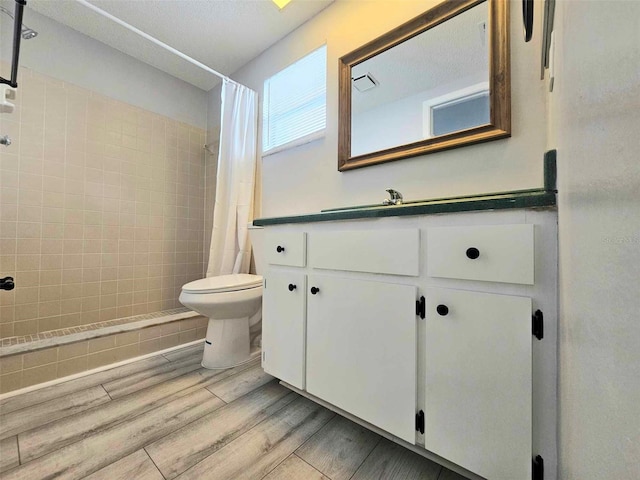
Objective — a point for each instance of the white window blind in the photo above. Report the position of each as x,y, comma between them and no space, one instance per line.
295,101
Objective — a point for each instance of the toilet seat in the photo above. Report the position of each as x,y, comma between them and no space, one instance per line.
223,283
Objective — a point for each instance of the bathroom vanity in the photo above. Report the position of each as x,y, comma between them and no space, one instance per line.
432,323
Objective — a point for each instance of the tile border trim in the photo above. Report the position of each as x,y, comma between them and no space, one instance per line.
16,345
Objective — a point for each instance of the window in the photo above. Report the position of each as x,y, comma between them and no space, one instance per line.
295,103
458,110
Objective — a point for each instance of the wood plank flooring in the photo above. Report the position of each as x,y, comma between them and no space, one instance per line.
165,417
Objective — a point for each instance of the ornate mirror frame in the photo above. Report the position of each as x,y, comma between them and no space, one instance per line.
499,85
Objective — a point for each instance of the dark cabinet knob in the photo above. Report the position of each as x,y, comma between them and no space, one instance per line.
279,249
292,287
314,290
442,310
6,283
473,253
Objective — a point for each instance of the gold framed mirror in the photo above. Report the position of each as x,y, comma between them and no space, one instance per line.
439,81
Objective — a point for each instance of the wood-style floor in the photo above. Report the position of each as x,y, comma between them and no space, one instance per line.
166,417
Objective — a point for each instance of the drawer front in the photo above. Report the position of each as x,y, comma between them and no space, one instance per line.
495,253
285,248
394,252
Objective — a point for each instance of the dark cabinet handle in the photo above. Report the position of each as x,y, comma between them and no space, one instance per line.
6,283
292,287
473,253
279,249
442,310
314,290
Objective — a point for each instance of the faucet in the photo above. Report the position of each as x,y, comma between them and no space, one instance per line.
396,197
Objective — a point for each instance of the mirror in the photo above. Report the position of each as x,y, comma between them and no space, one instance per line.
437,82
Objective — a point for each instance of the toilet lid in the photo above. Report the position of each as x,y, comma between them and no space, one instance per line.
223,283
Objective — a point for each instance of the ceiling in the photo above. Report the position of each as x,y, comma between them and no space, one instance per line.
222,34
451,52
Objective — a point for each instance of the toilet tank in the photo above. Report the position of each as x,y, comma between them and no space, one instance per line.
256,235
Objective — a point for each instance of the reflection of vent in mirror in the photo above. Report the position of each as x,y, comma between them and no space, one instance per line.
365,82
456,111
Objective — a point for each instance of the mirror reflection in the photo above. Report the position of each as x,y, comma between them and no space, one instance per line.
433,84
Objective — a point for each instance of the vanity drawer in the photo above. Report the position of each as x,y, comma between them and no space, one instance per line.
285,248
394,252
495,253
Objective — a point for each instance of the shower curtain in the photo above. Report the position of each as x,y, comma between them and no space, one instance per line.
230,250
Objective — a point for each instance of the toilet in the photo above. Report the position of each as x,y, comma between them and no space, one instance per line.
232,303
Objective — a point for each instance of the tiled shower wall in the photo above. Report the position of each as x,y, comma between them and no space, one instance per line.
101,208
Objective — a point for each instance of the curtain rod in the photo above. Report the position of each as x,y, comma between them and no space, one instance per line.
154,40
17,35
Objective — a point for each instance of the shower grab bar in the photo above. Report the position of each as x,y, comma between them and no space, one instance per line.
17,36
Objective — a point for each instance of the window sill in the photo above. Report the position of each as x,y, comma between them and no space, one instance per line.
296,143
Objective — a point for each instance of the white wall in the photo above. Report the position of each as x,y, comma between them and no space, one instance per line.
595,119
306,179
65,54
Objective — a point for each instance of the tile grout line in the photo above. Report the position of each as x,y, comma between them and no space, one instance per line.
215,396
47,422
293,452
225,404
118,421
303,460
240,436
18,448
367,457
154,463
106,391
146,411
316,433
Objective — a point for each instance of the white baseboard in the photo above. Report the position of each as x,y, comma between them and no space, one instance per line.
95,370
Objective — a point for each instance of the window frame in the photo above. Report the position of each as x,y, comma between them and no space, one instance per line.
452,98
302,140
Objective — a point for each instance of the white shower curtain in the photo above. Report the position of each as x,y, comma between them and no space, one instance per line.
230,250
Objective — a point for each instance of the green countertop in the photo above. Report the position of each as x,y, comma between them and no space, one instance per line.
536,198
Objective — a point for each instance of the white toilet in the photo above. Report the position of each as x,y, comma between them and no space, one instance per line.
232,303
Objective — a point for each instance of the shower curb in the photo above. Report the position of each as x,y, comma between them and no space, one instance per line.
54,338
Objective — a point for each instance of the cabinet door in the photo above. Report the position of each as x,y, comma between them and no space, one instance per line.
478,381
361,350
283,326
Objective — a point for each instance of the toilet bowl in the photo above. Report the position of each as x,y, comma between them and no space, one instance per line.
230,302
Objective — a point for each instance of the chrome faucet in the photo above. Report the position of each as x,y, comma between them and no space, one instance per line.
396,197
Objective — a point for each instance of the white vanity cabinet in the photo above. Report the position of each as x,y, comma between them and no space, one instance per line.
458,377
